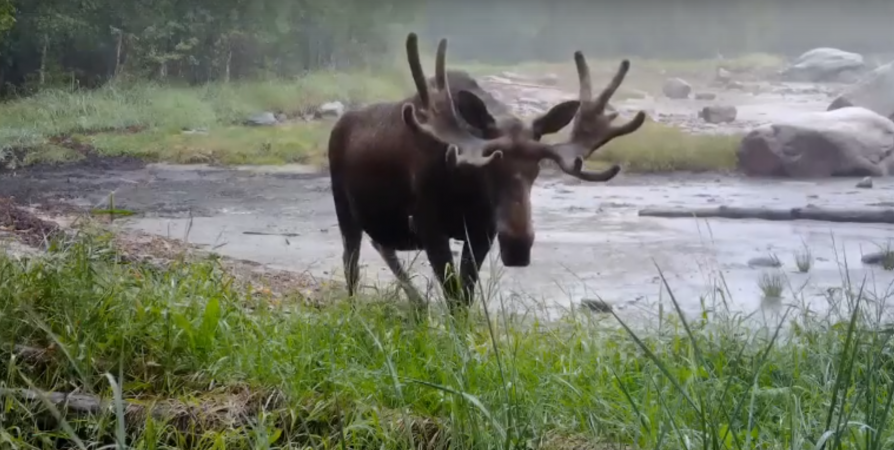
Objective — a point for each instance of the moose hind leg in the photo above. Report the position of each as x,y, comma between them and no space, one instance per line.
390,257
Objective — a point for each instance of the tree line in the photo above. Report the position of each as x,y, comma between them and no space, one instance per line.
87,42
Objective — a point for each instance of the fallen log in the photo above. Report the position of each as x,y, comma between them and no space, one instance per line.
214,411
809,212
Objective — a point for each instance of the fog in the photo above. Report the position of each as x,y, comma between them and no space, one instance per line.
510,32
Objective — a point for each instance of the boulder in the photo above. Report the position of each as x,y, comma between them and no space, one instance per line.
723,76
824,64
874,92
718,113
262,119
676,88
849,141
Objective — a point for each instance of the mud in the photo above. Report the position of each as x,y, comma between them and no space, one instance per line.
590,242
26,226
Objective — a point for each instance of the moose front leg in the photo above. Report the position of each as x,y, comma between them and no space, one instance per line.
441,259
474,252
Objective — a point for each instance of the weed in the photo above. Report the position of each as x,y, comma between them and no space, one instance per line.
197,363
656,148
772,284
804,260
888,260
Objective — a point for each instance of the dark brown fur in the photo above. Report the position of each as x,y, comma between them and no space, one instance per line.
416,173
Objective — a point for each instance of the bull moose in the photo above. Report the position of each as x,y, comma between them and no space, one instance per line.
451,162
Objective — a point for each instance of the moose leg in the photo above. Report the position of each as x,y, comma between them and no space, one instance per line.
390,257
473,256
351,237
441,259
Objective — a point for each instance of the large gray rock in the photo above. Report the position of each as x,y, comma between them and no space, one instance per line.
875,92
262,119
676,88
850,141
824,64
718,113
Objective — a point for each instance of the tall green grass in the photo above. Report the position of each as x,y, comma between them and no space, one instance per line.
166,110
249,371
146,120
118,106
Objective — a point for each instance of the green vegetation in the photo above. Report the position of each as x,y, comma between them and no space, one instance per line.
222,369
95,77
164,65
656,148
661,148
804,259
148,120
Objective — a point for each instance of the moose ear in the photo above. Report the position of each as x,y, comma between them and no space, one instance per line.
474,111
555,119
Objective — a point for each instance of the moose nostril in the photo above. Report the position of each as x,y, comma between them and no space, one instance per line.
516,251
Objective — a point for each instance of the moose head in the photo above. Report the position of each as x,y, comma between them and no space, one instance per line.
503,155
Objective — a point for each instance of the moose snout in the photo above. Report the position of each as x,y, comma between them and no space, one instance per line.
515,250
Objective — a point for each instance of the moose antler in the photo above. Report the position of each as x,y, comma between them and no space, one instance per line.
592,128
442,123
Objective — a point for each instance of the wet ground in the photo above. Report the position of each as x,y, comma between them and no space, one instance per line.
590,242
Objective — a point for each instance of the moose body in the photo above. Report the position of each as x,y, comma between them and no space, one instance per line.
381,179
453,164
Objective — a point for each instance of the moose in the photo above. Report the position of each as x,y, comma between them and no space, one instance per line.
451,162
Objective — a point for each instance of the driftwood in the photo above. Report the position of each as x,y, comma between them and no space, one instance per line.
806,213
78,404
219,411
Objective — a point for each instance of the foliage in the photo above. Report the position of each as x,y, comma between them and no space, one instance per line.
182,124
87,42
338,376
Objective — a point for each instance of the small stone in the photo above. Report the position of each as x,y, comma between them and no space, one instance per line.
876,258
764,261
511,75
331,109
705,96
597,306
549,79
865,183
723,75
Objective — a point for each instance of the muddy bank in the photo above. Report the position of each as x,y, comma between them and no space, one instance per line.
589,242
